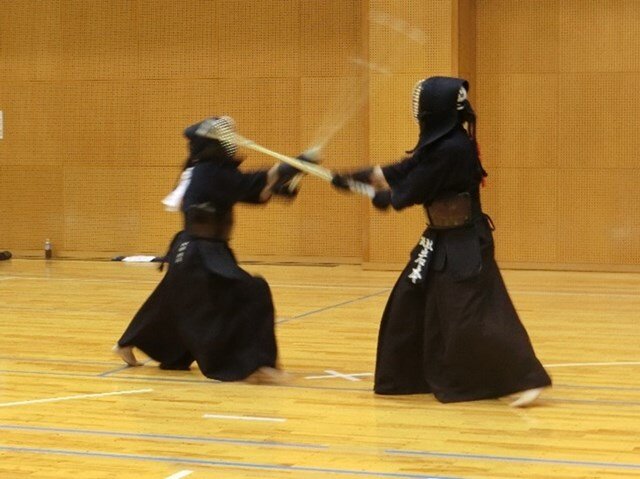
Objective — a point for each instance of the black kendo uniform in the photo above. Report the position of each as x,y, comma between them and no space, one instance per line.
207,309
449,327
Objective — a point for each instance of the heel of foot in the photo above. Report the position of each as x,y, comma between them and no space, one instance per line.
526,398
268,375
126,354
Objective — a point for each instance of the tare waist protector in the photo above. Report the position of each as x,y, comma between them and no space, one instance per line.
453,212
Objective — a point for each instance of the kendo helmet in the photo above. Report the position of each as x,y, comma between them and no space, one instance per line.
439,104
212,131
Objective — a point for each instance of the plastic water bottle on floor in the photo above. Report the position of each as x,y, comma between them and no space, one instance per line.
47,249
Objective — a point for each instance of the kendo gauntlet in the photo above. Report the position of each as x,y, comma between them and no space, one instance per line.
342,180
289,177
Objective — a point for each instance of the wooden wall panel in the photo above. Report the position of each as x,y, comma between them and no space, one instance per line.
266,110
269,230
30,40
5,199
518,119
166,108
99,39
331,223
321,222
287,76
330,37
393,131
31,204
334,117
180,39
413,36
96,93
599,36
34,123
258,39
413,40
556,107
101,208
101,123
157,226
517,36
599,217
523,205
597,120
466,43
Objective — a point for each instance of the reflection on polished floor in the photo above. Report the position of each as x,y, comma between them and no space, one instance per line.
69,408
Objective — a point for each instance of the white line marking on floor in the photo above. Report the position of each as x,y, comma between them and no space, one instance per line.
244,418
328,286
146,281
80,396
568,365
336,374
574,293
331,286
180,475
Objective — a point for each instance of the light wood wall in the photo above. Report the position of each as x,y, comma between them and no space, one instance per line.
416,40
557,98
95,95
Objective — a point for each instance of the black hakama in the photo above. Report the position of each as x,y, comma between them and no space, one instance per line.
206,309
460,339
449,327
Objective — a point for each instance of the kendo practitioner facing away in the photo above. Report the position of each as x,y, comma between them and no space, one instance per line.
449,327
206,308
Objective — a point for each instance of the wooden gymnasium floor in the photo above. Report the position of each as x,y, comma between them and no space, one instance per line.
68,408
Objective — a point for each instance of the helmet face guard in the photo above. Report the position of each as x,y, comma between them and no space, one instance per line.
415,99
215,129
222,129
437,102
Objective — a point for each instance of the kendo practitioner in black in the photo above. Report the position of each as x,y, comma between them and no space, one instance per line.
449,327
207,309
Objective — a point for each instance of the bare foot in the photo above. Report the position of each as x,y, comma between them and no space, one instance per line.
126,354
526,398
268,375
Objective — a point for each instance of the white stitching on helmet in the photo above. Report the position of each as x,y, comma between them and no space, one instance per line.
462,97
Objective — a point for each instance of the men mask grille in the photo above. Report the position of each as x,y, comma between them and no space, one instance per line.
222,129
416,99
